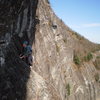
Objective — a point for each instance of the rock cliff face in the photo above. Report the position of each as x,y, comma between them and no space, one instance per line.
66,66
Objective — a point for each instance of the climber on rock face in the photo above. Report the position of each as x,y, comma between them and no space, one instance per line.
27,53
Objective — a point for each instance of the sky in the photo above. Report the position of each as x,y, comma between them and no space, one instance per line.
82,16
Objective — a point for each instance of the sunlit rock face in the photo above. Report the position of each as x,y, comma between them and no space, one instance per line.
54,74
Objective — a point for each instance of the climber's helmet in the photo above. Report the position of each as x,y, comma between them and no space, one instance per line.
25,43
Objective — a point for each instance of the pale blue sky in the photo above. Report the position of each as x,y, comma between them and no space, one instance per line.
83,16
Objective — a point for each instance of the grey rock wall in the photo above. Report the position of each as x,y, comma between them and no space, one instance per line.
54,52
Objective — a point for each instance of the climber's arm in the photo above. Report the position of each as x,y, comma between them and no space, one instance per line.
22,56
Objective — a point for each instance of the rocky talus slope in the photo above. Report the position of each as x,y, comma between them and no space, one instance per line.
66,66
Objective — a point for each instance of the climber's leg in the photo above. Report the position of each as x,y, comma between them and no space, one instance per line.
30,59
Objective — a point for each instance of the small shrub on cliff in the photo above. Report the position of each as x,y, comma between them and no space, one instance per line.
96,77
68,89
77,60
88,57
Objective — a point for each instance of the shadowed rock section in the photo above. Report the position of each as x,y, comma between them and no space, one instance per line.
65,66
17,23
